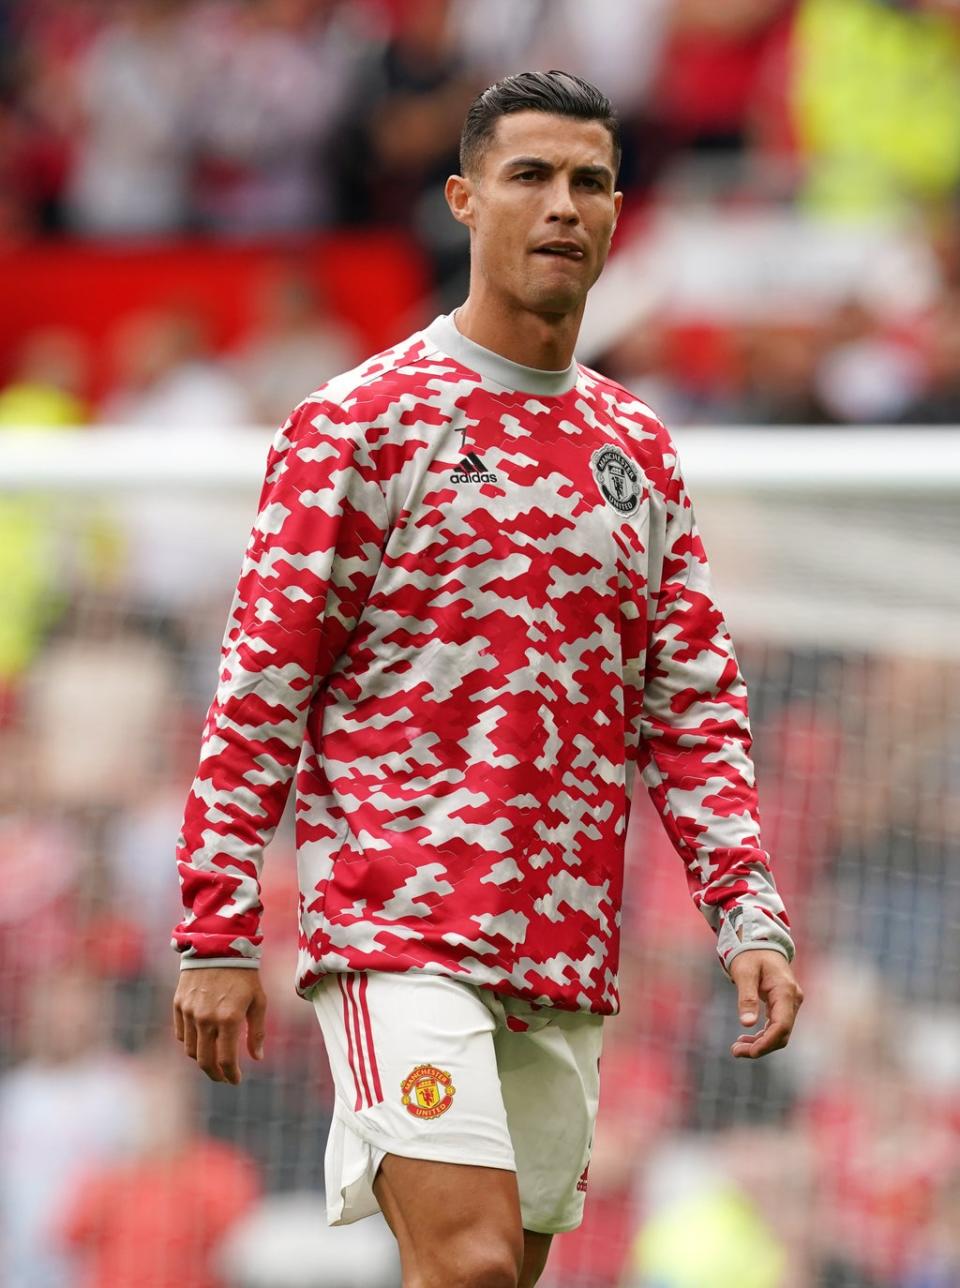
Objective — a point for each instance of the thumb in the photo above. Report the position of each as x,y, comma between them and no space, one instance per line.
256,1025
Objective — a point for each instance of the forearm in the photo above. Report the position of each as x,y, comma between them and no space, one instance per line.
701,777
248,756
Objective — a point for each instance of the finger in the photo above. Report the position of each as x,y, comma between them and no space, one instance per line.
782,1008
227,1053
747,1041
773,1038
256,1025
207,1050
178,1025
781,1013
190,1036
748,996
775,1033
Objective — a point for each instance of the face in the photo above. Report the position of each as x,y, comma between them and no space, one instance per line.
541,210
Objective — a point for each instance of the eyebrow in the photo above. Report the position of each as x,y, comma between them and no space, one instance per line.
541,163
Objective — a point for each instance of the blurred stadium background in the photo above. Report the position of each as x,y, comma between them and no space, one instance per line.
208,206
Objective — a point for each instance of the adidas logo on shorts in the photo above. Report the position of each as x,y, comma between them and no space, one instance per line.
472,470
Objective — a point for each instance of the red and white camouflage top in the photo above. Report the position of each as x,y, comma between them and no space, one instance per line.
473,605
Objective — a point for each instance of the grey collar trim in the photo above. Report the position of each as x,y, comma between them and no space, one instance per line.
443,334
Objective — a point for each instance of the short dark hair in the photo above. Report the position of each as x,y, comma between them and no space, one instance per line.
555,92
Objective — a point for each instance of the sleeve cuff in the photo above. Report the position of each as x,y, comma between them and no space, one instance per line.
198,963
757,931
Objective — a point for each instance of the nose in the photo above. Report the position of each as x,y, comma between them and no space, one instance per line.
562,208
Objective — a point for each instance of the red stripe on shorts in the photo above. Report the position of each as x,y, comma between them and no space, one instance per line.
375,1072
356,1033
346,1025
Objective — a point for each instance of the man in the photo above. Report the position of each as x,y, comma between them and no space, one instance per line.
474,604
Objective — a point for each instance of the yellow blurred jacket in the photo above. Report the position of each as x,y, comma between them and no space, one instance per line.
876,104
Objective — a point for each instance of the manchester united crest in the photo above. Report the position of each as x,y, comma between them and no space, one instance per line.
427,1091
617,478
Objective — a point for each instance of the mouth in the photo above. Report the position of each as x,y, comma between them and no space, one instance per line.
560,250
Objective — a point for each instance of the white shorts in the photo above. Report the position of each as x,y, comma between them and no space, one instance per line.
432,1067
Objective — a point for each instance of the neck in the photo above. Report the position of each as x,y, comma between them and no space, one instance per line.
542,340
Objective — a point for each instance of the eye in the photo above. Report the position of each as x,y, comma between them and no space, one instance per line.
590,182
528,174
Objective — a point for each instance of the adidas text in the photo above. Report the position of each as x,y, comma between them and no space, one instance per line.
472,470
476,477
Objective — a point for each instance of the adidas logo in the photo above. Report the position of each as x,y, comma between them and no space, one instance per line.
472,470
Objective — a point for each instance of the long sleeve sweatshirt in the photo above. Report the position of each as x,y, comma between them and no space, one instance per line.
473,607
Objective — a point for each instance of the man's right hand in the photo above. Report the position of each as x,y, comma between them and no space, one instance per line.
209,1008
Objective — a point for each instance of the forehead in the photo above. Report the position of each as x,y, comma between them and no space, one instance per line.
561,140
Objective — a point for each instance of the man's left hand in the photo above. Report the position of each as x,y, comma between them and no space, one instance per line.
762,974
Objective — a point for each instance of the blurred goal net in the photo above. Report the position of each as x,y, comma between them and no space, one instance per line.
835,559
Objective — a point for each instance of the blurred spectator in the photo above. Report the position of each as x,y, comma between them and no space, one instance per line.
866,376
106,687
622,51
643,362
39,123
294,346
877,103
800,734
734,1246
720,85
42,856
936,1263
713,66
943,230
167,377
157,1218
400,131
886,1145
746,1193
48,382
130,172
18,204
500,34
45,391
939,402
402,117
884,1152
780,365
69,1105
270,78
900,794
28,554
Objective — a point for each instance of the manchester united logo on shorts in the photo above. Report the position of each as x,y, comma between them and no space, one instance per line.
617,478
427,1091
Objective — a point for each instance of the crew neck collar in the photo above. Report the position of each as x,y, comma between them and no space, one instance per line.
443,334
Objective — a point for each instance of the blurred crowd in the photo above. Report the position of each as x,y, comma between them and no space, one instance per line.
159,367
240,120
791,255
131,117
163,371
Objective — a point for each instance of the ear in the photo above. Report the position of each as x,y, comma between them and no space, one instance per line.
617,203
459,192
